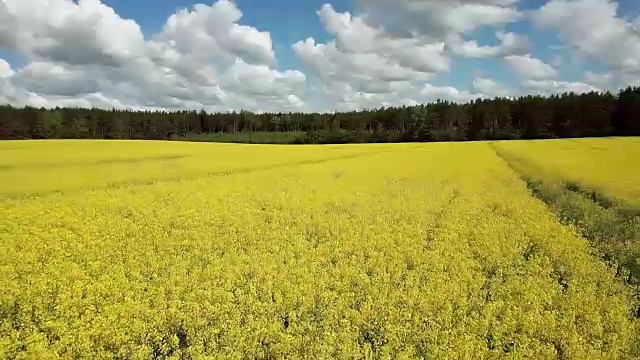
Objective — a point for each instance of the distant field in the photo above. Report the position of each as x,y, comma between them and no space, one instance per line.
135,249
257,137
608,165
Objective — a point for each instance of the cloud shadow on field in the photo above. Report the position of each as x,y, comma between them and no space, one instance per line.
192,177
94,163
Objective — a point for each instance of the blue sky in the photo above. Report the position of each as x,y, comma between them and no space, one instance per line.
458,50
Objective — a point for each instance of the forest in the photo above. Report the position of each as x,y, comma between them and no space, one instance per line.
568,115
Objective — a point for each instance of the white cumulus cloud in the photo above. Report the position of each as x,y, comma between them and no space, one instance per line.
550,87
450,93
491,87
529,67
84,53
510,44
437,18
366,66
595,29
5,69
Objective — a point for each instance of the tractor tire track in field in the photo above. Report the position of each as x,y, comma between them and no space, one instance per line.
94,163
625,211
191,177
612,229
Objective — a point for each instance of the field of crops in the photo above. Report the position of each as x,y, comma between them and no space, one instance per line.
133,249
607,165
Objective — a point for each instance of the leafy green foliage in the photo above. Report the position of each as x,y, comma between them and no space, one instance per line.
290,137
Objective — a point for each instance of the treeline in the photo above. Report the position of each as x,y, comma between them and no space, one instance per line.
530,117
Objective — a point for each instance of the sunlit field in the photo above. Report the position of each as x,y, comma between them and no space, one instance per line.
608,165
134,249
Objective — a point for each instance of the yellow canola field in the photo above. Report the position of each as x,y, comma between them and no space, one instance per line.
359,251
40,167
607,165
